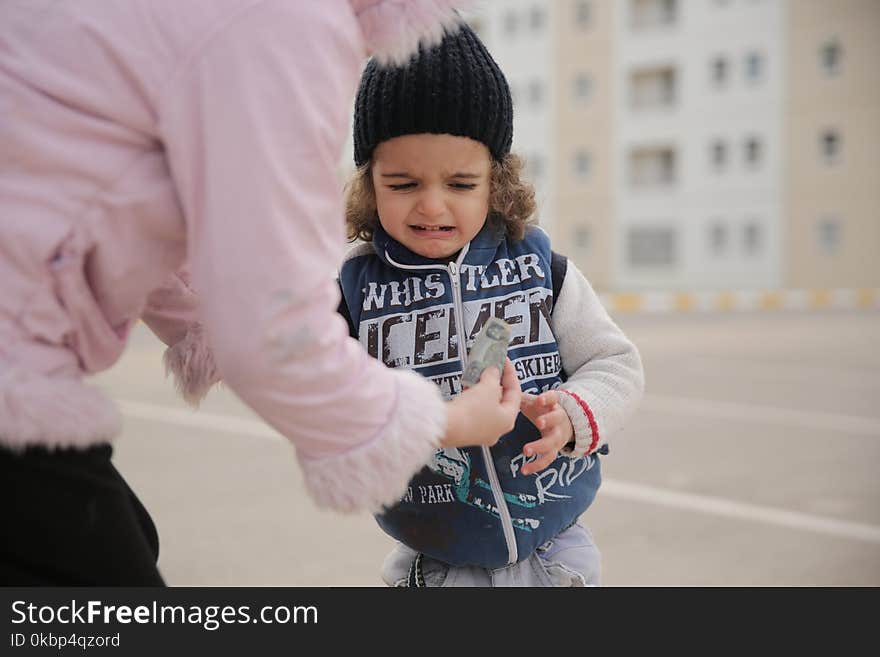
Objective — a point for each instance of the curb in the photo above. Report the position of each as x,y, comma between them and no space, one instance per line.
741,300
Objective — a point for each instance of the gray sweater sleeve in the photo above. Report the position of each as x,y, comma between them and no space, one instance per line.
605,377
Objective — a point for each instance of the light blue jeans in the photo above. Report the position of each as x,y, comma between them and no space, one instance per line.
569,559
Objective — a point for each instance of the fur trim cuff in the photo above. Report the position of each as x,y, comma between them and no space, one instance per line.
37,410
375,473
393,29
192,364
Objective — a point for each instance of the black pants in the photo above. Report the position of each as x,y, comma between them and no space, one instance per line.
68,518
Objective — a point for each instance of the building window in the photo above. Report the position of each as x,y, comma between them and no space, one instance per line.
582,238
653,13
510,23
651,247
830,57
583,87
537,18
582,11
536,92
718,238
830,146
652,167
652,88
829,234
719,71
718,154
752,238
582,164
753,151
754,66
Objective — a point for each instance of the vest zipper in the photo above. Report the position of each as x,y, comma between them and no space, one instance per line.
494,482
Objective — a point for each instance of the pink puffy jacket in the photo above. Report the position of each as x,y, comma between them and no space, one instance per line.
150,148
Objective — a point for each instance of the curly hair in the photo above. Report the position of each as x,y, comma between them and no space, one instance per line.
511,200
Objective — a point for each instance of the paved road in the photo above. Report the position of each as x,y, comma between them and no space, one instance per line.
753,460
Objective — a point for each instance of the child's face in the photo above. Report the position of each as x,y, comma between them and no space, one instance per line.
432,191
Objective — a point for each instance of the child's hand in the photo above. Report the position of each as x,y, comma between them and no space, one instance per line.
554,424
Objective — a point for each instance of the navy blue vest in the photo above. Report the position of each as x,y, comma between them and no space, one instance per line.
408,311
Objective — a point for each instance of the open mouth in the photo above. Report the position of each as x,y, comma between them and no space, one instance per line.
432,229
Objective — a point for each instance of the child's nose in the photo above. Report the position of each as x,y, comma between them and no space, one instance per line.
431,203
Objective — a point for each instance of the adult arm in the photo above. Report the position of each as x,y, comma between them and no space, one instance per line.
253,125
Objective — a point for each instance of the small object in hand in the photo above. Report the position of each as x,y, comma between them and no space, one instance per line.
490,348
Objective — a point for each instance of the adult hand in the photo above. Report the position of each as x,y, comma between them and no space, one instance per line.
481,414
554,424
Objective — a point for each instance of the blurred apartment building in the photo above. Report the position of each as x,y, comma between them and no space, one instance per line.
700,144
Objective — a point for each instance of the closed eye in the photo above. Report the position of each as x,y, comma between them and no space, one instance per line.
402,186
464,186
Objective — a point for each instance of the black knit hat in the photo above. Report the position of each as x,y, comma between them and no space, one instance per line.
452,88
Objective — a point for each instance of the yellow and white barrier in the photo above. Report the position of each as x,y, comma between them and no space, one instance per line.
741,300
